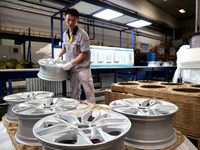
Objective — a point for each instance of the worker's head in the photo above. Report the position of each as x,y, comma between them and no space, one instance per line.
71,18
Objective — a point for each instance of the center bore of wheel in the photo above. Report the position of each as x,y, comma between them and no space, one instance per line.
83,125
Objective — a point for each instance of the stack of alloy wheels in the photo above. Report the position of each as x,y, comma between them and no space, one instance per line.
151,122
31,111
91,129
17,98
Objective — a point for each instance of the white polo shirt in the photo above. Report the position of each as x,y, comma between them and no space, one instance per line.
80,43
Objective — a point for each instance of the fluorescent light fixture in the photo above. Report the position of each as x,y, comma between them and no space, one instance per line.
139,23
182,11
124,19
107,14
86,8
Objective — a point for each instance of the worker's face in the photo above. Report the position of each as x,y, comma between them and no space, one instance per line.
71,21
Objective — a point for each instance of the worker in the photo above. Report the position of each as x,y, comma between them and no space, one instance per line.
76,45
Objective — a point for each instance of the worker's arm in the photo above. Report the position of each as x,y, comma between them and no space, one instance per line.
79,58
63,51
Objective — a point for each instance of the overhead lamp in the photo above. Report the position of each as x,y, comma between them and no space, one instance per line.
86,8
138,23
107,14
182,11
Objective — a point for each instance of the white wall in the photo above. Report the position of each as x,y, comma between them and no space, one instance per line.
20,19
35,48
7,52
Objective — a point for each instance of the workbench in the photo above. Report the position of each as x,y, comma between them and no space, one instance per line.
136,72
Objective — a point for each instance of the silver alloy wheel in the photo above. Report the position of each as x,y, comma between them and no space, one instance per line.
32,111
154,63
82,106
91,129
168,64
151,122
51,70
17,98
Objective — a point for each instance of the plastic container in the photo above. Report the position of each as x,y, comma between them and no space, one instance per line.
151,56
195,40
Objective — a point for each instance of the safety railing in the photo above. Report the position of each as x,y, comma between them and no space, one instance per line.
23,31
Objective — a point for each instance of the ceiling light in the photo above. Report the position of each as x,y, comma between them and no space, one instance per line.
86,8
139,23
124,19
107,14
182,11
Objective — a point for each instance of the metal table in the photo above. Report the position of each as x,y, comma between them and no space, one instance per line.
137,72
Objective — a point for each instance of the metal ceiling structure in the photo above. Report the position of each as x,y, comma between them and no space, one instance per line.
49,7
88,7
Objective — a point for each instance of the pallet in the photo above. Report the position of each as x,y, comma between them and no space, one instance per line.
185,96
197,140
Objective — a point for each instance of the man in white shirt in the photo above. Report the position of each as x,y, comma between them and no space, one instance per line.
76,45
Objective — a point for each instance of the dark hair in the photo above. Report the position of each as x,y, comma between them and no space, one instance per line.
72,12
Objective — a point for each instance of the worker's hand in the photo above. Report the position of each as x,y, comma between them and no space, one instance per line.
57,59
67,66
